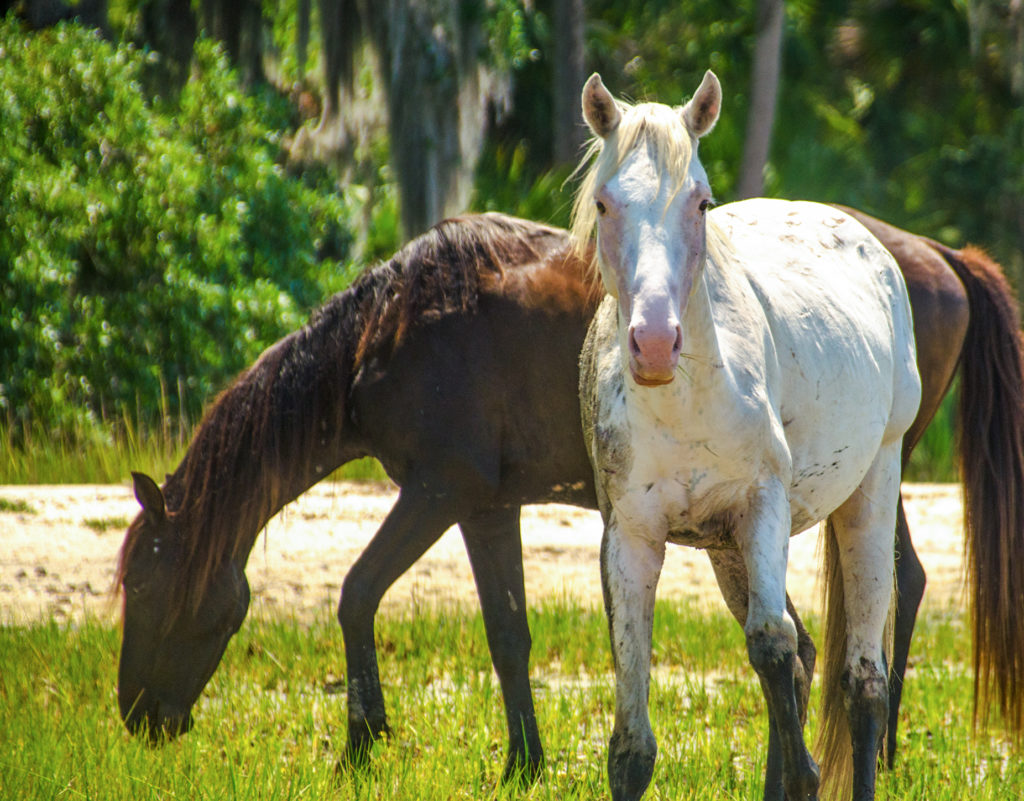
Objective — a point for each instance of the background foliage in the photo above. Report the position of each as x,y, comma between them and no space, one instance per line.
149,252
151,247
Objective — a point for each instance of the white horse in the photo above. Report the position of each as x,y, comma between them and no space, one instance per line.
751,373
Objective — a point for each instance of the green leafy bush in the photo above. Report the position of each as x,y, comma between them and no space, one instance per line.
147,252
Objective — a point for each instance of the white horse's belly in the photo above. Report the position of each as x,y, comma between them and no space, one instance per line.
688,487
821,486
829,466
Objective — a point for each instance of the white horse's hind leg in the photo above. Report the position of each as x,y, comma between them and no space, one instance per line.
630,567
762,534
731,573
865,527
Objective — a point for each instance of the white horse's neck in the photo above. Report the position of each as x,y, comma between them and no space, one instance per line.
701,348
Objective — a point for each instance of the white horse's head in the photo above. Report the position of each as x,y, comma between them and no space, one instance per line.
648,194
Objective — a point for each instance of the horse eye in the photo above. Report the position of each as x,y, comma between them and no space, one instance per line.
706,205
601,208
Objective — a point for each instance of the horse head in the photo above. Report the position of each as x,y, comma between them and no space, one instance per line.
169,648
648,195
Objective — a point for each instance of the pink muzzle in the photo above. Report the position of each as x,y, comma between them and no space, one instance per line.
654,353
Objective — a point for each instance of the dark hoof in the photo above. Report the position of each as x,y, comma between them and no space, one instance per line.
630,767
361,738
806,787
521,770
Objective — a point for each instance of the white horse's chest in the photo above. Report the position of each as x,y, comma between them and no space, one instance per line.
684,481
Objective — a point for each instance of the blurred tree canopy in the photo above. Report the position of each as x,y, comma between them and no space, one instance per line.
167,208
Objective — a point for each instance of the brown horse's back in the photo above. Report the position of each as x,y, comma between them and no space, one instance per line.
497,419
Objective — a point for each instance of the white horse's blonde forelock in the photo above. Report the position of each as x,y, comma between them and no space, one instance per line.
662,129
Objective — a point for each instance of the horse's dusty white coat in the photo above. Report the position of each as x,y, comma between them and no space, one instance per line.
733,432
752,373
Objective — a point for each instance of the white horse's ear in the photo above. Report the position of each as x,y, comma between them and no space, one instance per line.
599,107
701,113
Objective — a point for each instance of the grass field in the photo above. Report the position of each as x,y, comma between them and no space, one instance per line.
270,724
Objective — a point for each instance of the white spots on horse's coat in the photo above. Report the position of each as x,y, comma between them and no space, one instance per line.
512,605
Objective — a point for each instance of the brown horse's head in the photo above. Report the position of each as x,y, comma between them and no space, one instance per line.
170,645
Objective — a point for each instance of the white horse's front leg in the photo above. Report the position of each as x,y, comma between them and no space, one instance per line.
762,534
630,567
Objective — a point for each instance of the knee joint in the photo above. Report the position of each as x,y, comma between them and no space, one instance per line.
771,646
866,688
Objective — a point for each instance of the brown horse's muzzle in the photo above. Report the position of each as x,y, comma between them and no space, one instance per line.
158,720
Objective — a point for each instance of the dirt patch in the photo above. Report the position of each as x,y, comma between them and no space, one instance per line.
58,548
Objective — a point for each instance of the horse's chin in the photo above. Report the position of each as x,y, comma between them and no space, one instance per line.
651,379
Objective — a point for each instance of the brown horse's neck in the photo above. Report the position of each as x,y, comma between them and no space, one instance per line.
285,423
277,430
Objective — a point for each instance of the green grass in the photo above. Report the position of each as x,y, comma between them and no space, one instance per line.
271,723
108,453
16,507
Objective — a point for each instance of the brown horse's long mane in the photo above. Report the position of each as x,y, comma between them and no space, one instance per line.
251,453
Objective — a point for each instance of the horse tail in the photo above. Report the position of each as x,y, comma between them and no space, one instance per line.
991,451
833,744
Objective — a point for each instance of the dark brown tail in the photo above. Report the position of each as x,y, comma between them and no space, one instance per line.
991,444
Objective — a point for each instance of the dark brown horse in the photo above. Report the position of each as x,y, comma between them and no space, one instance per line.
455,364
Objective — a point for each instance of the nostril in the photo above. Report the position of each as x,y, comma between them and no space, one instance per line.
678,346
634,346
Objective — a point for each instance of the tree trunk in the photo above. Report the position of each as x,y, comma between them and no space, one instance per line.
238,24
437,93
568,69
302,38
169,28
340,31
764,88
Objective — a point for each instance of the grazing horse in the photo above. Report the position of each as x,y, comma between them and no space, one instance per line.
750,373
420,363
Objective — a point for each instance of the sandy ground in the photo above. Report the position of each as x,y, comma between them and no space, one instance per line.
58,548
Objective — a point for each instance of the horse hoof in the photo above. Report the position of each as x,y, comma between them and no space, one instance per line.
522,771
630,766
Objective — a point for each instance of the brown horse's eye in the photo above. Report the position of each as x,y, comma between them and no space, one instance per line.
601,208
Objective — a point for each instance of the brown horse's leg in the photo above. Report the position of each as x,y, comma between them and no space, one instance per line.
732,581
415,522
910,579
496,554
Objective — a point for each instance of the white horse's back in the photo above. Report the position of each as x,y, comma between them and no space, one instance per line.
840,322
